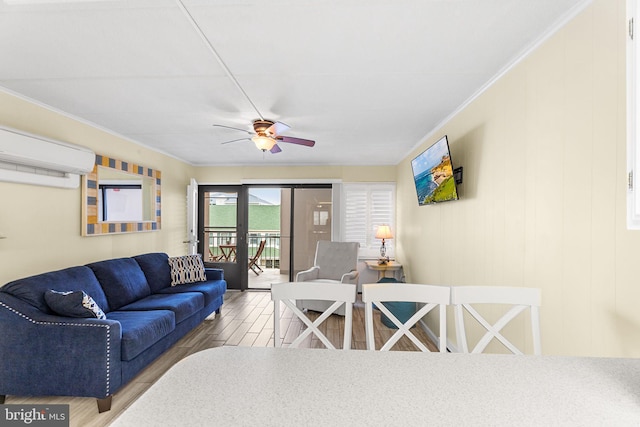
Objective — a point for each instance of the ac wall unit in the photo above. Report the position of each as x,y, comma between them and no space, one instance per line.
33,159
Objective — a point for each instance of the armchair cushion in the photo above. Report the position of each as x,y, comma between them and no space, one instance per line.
308,275
350,277
334,259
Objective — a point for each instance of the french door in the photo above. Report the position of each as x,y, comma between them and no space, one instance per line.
273,228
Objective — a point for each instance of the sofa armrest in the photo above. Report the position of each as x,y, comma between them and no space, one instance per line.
43,354
214,273
311,274
350,277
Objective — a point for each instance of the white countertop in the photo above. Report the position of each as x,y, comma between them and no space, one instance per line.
231,386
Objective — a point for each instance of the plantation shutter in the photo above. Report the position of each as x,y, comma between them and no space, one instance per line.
365,207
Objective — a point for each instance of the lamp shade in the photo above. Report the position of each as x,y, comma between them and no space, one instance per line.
263,143
383,232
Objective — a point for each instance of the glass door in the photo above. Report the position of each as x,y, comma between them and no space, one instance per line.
268,235
221,231
262,234
311,215
285,224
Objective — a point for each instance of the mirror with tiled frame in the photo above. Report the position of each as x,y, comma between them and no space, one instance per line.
116,175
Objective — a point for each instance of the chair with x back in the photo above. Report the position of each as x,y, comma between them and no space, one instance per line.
429,295
337,295
520,299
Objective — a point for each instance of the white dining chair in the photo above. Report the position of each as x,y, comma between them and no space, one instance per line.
338,295
429,295
464,298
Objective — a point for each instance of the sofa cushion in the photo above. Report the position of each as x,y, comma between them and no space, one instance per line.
155,267
32,289
186,269
210,289
73,304
183,305
142,329
122,280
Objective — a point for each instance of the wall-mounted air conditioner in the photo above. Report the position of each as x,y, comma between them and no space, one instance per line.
33,159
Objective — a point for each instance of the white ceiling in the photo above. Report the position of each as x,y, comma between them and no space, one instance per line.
366,79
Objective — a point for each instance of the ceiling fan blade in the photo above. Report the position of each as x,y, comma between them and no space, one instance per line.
277,128
230,127
236,140
299,141
275,149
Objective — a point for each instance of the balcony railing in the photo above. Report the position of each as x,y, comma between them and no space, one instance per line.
220,241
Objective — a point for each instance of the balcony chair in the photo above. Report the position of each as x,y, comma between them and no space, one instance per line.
335,262
212,256
253,261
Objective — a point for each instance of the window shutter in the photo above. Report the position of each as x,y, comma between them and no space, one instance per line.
355,225
365,207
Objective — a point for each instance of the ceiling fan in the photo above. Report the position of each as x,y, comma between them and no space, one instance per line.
266,135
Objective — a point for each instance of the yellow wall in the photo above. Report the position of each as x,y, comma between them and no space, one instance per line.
42,224
543,199
235,174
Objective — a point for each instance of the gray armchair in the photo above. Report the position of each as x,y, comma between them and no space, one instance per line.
335,262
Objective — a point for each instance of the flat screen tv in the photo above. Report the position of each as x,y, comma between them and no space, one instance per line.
433,174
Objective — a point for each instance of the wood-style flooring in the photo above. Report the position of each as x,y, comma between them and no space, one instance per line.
246,320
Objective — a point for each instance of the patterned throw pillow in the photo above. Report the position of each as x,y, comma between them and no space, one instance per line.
187,269
73,304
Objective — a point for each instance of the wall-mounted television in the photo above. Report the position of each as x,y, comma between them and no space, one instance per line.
433,174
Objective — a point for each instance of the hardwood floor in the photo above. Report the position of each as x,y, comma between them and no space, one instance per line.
246,320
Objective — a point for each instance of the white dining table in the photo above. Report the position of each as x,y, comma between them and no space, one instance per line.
246,386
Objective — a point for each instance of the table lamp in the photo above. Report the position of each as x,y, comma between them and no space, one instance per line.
383,232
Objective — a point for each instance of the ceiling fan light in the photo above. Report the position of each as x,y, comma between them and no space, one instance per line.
263,143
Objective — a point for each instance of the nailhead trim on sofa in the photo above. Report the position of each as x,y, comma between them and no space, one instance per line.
108,351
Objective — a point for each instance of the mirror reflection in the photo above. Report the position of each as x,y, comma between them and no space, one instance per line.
123,196
120,197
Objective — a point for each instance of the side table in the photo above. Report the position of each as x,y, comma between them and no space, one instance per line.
382,269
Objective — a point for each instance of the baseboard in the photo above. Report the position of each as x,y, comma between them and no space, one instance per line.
451,347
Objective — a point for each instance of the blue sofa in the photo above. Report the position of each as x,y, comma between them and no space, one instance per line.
44,354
